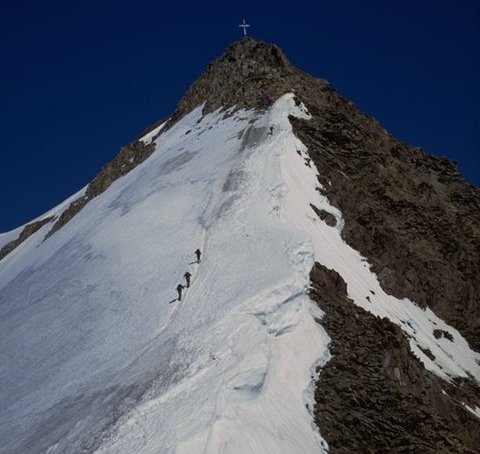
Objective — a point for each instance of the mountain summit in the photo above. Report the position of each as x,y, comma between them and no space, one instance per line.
335,307
247,69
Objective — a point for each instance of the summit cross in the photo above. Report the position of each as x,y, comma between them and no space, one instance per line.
244,25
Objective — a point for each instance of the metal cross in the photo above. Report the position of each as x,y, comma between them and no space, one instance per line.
244,25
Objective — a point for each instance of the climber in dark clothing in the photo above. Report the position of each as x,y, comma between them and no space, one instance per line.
198,253
179,290
187,277
271,131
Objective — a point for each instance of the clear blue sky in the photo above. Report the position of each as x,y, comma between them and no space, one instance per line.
79,79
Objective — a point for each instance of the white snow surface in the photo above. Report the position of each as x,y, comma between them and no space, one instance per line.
149,136
474,411
97,356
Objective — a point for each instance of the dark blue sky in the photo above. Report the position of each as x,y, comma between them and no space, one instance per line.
80,79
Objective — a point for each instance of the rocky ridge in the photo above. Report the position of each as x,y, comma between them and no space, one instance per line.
27,231
416,221
412,215
127,159
374,395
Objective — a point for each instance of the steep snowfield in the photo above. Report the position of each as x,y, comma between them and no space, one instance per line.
98,355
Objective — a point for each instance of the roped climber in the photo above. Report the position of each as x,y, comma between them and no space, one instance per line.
187,277
179,290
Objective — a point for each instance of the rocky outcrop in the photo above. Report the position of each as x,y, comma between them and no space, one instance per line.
27,231
250,74
325,216
412,215
374,395
126,160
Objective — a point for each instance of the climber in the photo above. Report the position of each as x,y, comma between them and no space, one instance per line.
179,290
271,131
187,277
198,253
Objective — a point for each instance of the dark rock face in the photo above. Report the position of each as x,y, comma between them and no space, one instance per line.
412,215
28,230
374,395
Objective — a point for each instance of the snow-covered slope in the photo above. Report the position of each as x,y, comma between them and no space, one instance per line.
95,343
98,355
